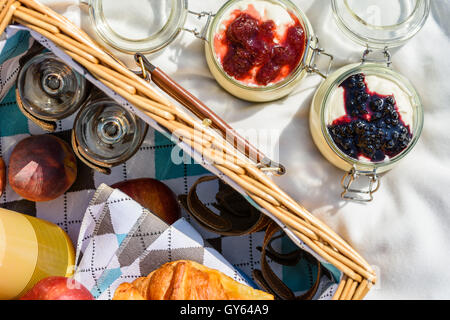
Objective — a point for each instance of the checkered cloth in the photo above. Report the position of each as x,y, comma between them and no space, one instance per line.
152,160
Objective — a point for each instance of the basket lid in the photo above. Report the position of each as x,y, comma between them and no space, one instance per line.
138,26
381,23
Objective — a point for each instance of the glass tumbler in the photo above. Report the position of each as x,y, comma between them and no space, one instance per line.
49,90
105,134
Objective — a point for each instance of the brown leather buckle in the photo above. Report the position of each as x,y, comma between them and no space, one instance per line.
269,281
236,216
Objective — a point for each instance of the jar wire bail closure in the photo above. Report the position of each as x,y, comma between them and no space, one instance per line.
359,195
202,35
318,51
387,57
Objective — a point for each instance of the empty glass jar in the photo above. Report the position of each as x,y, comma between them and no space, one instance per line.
380,23
154,23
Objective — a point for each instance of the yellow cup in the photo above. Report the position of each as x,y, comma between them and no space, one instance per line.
31,249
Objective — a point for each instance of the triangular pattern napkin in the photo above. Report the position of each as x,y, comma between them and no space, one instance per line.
120,241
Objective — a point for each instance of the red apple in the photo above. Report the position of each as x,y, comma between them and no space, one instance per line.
2,176
153,195
58,288
42,168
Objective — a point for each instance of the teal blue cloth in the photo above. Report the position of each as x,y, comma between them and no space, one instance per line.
12,121
16,45
165,168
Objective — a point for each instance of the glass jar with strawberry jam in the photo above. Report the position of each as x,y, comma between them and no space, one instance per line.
366,117
258,50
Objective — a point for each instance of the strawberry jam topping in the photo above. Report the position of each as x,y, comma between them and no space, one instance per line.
372,127
251,50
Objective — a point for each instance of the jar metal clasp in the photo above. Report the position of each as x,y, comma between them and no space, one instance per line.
318,51
201,34
386,57
359,194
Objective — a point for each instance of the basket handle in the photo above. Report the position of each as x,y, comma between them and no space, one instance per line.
193,104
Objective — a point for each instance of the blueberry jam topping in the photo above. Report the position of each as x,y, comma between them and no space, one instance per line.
253,50
372,127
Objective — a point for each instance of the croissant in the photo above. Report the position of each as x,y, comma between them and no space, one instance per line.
187,280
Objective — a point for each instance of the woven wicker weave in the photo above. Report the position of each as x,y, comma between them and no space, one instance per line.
358,275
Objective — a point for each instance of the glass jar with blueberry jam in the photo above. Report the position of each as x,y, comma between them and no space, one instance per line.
366,117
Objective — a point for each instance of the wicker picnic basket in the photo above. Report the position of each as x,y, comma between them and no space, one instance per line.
246,173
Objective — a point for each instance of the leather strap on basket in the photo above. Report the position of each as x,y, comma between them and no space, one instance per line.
86,159
237,216
269,281
49,126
